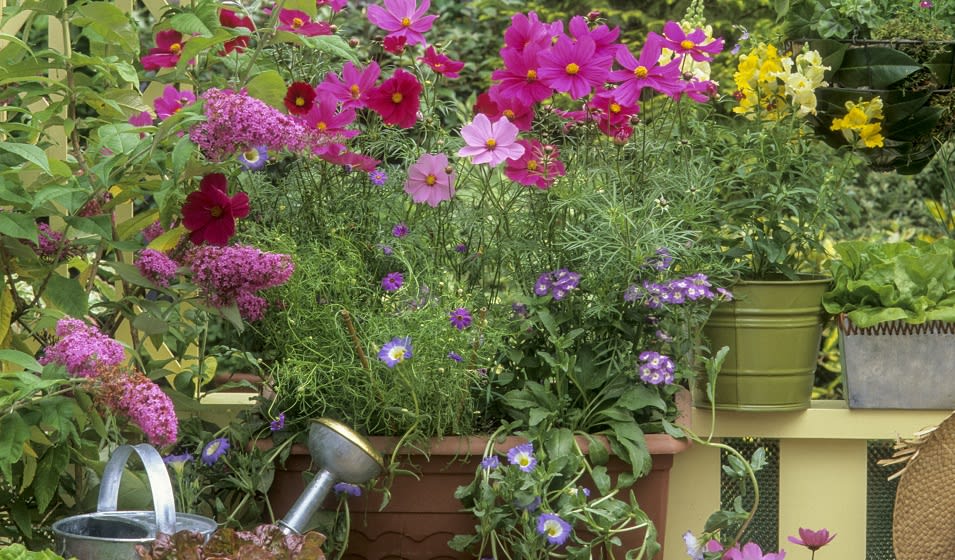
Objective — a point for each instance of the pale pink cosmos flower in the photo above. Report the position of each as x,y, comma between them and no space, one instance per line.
400,18
813,540
430,180
490,143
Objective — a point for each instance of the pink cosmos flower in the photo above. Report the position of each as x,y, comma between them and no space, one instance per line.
441,63
612,116
394,45
400,18
353,87
646,72
165,54
210,213
430,180
516,111
698,90
519,77
527,29
752,551
335,5
677,40
299,22
490,143
813,540
143,118
171,101
352,160
604,37
329,123
538,167
397,99
573,67
230,19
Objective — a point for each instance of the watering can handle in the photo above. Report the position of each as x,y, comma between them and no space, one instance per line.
158,483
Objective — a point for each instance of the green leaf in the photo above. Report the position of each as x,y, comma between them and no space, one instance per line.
101,225
231,314
67,295
51,466
307,6
874,67
601,479
189,24
640,397
14,432
333,45
150,325
111,23
181,154
269,86
19,552
21,359
30,153
19,226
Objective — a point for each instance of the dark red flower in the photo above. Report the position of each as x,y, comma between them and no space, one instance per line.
395,45
299,98
397,99
228,18
210,213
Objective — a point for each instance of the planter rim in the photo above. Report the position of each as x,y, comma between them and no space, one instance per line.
809,279
895,327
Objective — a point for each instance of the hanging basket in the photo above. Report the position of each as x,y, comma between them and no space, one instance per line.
915,80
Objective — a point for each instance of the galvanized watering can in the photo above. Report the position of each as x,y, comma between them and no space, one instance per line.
341,454
113,535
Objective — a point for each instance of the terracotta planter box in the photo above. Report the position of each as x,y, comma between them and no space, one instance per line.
423,514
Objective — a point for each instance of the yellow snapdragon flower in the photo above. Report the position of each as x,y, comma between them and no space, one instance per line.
862,125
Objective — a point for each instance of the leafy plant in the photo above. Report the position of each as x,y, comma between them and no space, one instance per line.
20,552
875,282
264,542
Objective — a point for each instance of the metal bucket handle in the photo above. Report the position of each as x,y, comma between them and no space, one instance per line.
158,478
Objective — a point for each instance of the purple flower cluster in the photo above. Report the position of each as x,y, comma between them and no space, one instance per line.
662,260
655,368
153,231
236,121
655,295
48,242
82,348
556,283
147,406
400,230
234,273
156,266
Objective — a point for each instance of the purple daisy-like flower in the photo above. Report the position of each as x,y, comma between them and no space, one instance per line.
455,356
555,529
378,177
392,281
523,456
278,423
396,351
461,248
177,462
490,463
214,450
460,318
400,230
346,488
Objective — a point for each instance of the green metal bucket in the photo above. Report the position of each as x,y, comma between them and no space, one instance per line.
773,331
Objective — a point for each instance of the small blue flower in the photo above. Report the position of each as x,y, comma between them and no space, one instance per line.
254,158
490,463
455,356
278,423
346,488
554,528
396,351
378,177
214,450
523,456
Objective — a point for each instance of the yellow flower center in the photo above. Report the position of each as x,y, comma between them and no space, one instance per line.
490,143
430,180
251,155
398,354
297,22
572,68
355,91
299,101
509,114
321,125
640,71
396,97
532,74
532,165
215,211
615,108
405,22
175,48
687,44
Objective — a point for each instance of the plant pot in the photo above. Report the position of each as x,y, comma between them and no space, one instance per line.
897,365
915,96
423,514
773,331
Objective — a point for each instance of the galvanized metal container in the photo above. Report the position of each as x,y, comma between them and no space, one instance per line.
109,534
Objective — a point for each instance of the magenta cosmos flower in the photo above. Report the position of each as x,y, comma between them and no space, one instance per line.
210,213
490,143
813,540
171,101
301,23
528,29
400,18
646,71
430,180
397,99
165,54
351,90
538,167
752,551
440,63
519,78
232,20
691,43
605,39
574,67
